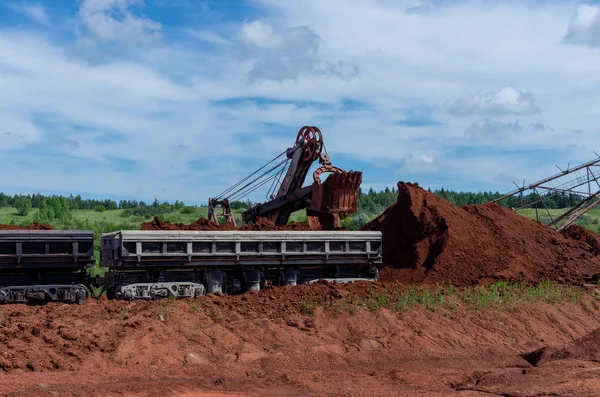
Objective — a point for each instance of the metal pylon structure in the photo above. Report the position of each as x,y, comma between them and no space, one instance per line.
583,181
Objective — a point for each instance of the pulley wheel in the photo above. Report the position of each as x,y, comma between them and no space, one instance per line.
318,143
313,142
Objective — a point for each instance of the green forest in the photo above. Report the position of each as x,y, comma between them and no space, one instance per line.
61,210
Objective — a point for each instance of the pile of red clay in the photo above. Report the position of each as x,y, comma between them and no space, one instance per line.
200,224
427,239
586,235
262,224
33,226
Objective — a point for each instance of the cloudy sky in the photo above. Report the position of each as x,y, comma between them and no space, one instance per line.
179,99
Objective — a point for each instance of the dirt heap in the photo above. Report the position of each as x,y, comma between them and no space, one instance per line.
586,235
200,224
584,348
262,224
428,239
33,226
265,224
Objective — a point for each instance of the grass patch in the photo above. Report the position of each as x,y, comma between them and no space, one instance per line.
432,298
590,220
308,306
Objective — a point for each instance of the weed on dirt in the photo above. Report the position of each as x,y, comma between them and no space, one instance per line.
407,297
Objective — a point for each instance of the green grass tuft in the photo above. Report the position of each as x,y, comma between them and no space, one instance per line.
432,298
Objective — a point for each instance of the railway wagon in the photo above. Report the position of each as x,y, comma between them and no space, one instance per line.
53,265
45,265
177,264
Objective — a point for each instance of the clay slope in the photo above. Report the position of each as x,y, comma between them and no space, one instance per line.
428,239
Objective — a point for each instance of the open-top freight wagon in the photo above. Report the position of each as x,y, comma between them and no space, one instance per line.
45,265
154,264
51,265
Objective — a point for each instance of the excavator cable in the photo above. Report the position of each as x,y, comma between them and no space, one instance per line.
243,188
262,183
222,194
277,181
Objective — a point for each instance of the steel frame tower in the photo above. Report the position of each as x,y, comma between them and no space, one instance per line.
583,180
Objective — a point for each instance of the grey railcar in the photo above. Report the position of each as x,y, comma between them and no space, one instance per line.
155,264
45,265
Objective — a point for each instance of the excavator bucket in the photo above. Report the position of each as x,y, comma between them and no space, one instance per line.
334,199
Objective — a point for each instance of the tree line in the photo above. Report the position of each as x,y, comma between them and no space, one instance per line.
371,204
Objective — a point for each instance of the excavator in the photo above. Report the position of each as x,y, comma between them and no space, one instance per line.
326,202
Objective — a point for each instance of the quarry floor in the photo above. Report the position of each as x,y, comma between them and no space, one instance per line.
271,344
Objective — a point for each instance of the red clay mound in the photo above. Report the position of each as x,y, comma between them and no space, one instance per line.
262,224
266,225
33,226
200,224
428,239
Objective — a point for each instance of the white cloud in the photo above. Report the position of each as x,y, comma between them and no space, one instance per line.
584,26
114,21
261,36
206,36
541,127
421,164
506,101
280,54
34,11
487,127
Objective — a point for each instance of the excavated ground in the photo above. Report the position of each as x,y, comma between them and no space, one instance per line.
268,344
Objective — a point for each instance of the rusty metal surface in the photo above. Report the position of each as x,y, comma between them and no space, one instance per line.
313,142
224,204
338,194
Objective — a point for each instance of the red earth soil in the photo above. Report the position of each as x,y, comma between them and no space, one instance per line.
568,370
586,235
427,239
586,348
287,341
262,224
33,226
200,224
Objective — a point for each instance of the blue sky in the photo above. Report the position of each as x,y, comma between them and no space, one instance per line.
178,100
